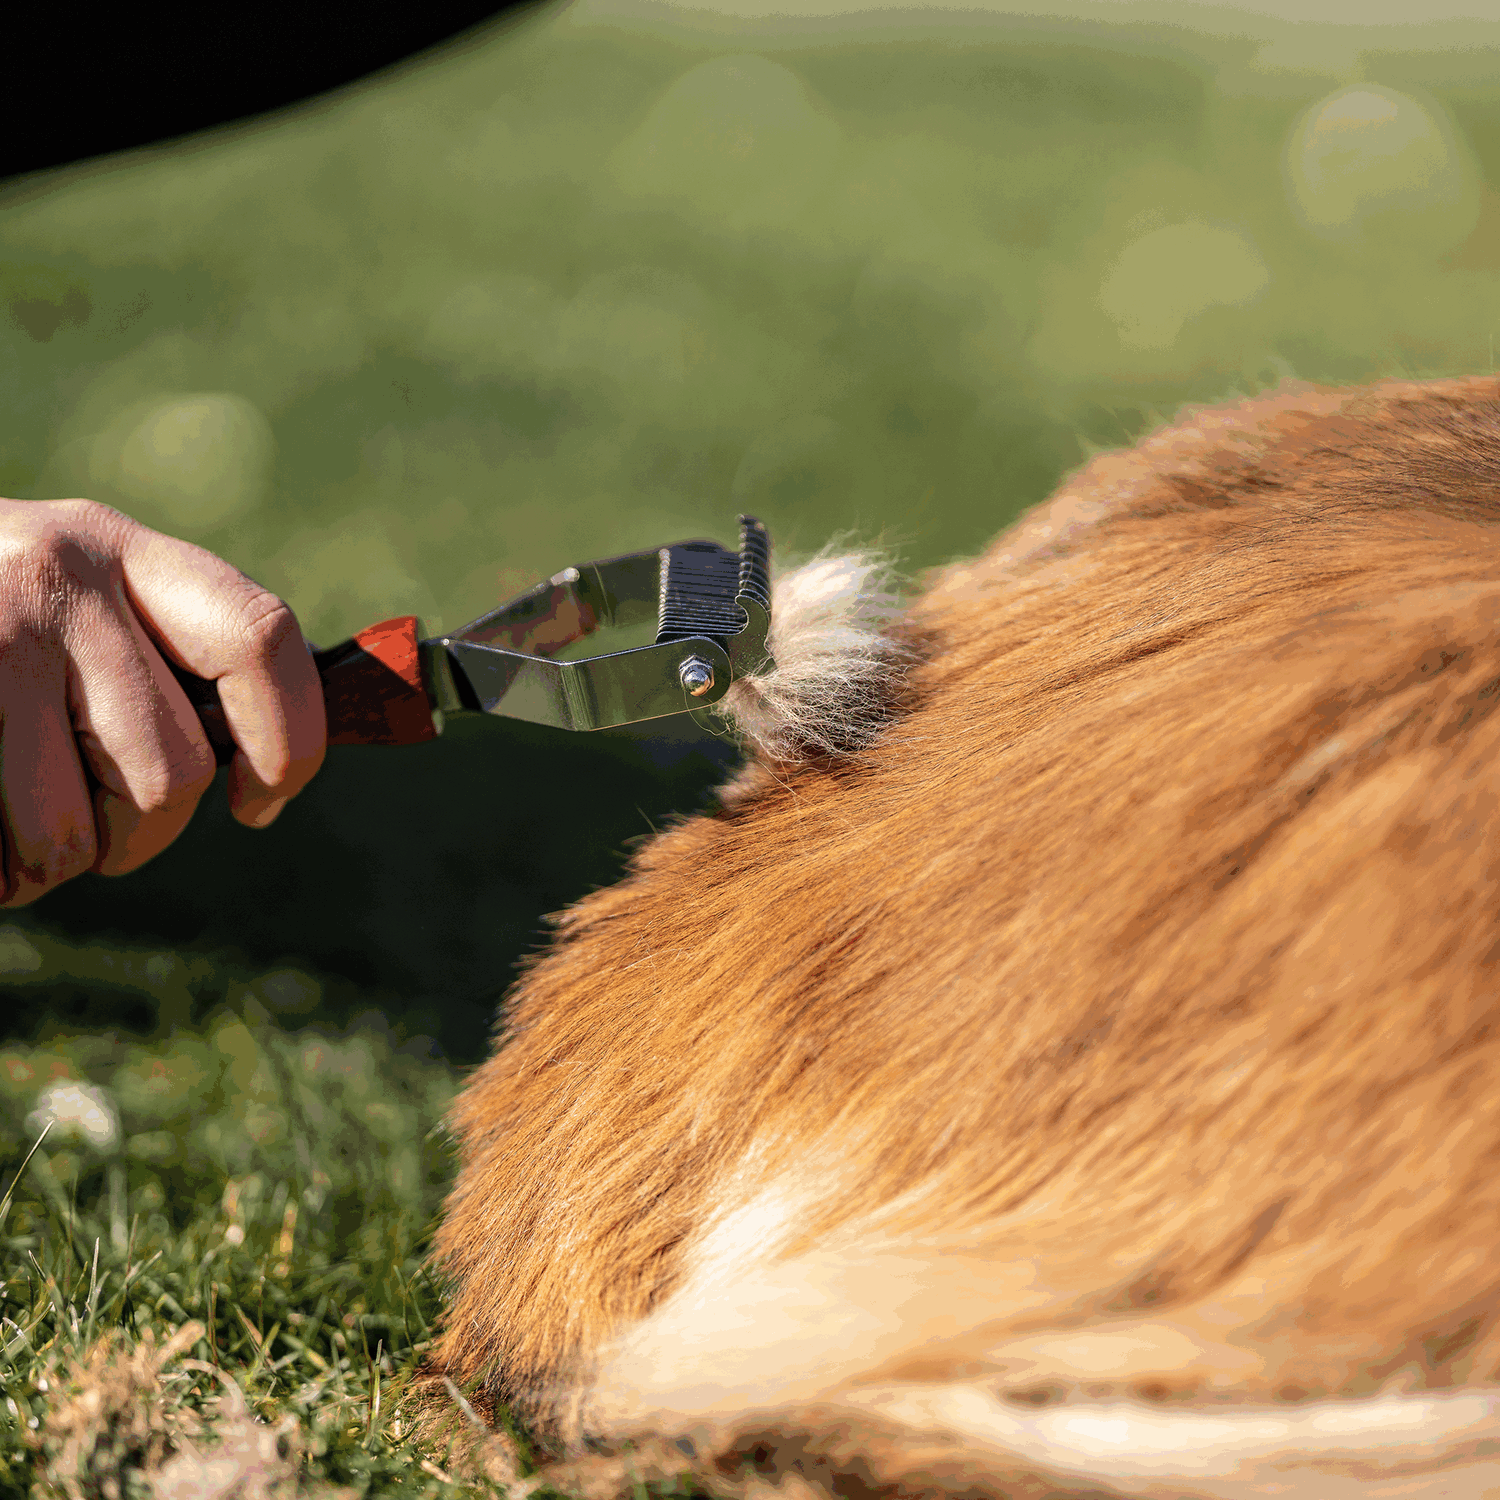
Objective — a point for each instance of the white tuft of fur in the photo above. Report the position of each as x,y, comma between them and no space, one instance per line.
837,669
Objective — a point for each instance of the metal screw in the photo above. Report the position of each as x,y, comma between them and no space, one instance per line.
697,676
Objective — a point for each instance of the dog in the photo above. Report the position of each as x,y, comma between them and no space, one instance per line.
1067,1060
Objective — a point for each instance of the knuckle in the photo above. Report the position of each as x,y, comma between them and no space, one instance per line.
46,562
170,781
91,516
267,622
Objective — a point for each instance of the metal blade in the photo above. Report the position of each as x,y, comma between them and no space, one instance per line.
712,612
616,591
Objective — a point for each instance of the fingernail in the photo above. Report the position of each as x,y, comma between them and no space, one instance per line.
268,814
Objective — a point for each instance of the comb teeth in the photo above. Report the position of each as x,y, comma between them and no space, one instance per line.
698,585
755,562
699,581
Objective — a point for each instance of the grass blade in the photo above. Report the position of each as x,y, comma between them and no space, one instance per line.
10,1192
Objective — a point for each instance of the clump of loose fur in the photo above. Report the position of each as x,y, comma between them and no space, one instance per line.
838,666
113,1428
107,1416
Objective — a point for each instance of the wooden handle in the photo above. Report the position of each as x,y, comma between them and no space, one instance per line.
372,690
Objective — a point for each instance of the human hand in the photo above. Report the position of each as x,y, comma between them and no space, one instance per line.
102,759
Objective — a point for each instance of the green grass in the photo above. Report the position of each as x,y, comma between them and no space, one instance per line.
268,1190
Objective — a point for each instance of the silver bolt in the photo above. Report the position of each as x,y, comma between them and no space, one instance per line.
697,676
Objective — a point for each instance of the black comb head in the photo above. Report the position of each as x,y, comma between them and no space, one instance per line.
699,582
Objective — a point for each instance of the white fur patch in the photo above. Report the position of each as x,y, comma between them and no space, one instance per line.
746,1329
1433,1444
905,1333
747,1343
836,665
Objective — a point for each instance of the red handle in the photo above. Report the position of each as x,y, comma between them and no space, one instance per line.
372,687
372,690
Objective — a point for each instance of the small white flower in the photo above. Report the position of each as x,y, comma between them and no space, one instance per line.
79,1110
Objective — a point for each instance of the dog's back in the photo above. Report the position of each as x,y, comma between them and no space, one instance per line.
1117,1034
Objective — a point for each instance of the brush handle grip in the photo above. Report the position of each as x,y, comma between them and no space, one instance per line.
372,690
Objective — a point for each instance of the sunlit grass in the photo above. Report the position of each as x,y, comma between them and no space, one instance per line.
240,1199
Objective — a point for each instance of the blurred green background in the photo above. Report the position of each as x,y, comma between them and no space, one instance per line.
601,277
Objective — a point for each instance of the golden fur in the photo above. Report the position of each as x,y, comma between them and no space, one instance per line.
1119,1027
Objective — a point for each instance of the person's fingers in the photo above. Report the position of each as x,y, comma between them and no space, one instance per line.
87,598
102,599
46,819
136,731
221,625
